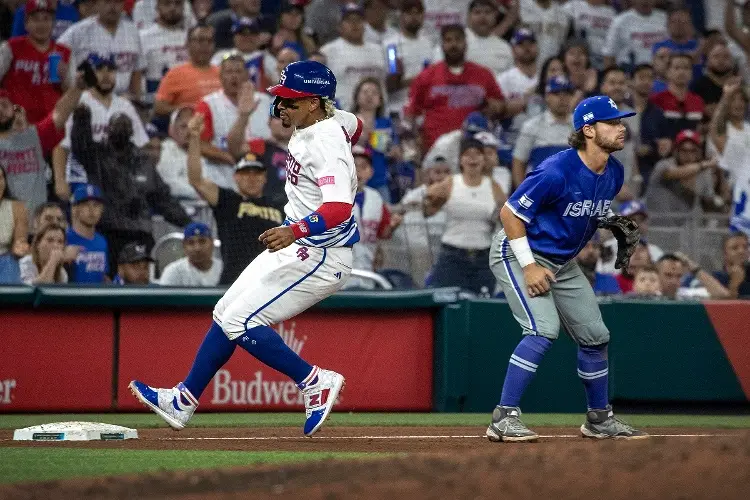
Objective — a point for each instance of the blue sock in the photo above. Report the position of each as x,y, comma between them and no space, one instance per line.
267,346
215,350
593,369
522,368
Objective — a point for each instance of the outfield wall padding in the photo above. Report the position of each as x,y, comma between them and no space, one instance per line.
67,348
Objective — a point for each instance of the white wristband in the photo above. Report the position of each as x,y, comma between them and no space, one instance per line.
522,251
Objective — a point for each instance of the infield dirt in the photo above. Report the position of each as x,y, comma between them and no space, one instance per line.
429,462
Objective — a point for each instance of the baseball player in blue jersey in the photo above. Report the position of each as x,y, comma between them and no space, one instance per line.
307,259
546,222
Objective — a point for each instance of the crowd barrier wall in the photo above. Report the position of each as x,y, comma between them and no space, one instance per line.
67,348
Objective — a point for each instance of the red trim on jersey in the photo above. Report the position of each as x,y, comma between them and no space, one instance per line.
49,135
358,132
385,222
208,122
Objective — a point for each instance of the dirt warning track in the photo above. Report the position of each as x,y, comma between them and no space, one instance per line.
440,462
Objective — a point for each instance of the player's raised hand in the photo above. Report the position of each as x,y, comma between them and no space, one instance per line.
538,279
277,238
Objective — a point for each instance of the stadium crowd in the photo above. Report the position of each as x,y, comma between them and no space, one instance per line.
459,99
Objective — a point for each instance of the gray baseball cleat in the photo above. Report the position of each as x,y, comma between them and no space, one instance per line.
602,424
507,427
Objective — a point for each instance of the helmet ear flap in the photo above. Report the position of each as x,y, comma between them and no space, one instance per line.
275,107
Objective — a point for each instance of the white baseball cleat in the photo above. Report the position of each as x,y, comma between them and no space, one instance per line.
320,396
175,405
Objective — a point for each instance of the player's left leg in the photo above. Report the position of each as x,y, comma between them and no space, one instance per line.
273,288
582,319
293,280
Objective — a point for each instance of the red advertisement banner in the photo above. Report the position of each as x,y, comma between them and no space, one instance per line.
55,361
385,357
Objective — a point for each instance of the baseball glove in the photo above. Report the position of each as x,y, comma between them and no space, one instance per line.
627,234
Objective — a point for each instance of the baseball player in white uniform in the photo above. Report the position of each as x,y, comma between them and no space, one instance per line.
307,259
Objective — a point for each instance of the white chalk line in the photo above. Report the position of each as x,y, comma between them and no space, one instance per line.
387,438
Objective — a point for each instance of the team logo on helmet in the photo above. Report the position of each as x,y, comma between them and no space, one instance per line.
282,78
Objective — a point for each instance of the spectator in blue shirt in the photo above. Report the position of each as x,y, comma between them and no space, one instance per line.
603,284
90,265
65,16
682,39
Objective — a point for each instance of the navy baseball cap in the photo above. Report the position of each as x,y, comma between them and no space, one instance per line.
475,122
633,207
558,84
197,229
85,193
522,35
597,109
245,23
352,8
305,79
100,60
133,252
249,161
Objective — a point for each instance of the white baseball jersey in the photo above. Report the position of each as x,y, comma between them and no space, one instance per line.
351,63
439,13
591,22
634,34
163,48
369,217
320,169
144,14
550,26
515,84
736,161
89,36
415,55
100,116
277,286
491,51
221,113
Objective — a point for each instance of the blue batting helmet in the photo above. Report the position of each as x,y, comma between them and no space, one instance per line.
305,79
597,109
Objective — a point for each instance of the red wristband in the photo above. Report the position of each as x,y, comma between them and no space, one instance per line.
300,229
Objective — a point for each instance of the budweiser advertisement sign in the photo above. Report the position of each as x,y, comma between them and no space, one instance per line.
56,361
385,357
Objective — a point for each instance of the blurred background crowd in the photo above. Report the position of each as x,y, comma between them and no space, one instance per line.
162,166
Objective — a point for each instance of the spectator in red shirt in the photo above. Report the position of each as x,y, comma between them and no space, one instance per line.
24,62
682,108
23,147
446,92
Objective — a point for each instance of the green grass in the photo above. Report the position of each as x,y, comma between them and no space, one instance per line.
148,420
40,464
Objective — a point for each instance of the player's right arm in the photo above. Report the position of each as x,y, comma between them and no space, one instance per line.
204,187
519,210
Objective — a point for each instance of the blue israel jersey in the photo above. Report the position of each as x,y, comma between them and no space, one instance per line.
560,202
91,265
